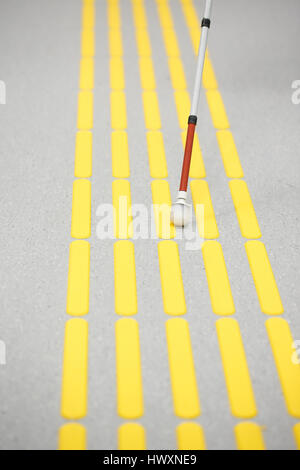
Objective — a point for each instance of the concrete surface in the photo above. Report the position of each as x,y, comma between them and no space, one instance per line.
255,64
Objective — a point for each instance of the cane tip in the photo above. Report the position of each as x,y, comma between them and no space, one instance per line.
180,214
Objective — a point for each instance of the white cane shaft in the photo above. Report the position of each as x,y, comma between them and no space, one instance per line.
200,60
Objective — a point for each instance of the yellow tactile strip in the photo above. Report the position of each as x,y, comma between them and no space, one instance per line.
266,287
171,279
186,404
129,372
239,387
190,436
183,378
120,154
296,431
151,110
83,154
125,278
231,161
72,436
78,278
217,109
281,341
156,154
74,384
118,110
86,80
148,81
87,42
117,78
161,199
122,208
85,110
264,280
81,209
249,436
206,220
217,278
131,436
244,209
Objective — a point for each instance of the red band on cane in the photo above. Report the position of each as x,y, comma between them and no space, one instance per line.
187,157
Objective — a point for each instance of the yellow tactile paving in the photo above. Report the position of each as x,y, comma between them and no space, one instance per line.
88,16
125,278
161,199
281,341
183,105
87,43
120,154
131,436
85,110
217,278
244,209
209,80
139,14
115,42
147,73
171,278
81,209
118,110
122,207
86,78
296,430
151,110
164,14
177,73
156,155
239,387
74,381
182,372
264,280
143,42
230,157
207,225
193,23
83,154
128,366
249,436
72,436
78,278
117,79
197,169
171,43
195,34
190,436
190,15
217,109
113,11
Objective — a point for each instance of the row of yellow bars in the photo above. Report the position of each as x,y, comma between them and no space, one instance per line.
72,435
131,434
238,381
270,302
242,404
190,435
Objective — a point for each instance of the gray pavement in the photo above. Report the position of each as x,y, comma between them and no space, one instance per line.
255,64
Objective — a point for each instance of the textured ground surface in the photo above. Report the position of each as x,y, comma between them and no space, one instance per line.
255,66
